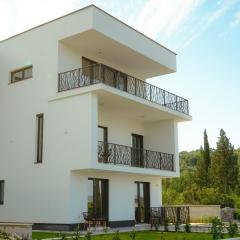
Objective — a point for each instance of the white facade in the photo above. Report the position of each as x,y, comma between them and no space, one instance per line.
56,190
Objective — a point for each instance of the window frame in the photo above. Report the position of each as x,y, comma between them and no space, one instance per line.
40,127
21,70
2,186
105,133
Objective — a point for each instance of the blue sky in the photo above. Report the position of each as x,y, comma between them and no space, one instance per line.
205,34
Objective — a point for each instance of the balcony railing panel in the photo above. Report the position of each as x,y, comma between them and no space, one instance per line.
99,73
111,153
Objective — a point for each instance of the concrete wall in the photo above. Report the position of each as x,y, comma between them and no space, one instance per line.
202,213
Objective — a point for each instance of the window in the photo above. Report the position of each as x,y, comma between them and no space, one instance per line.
39,138
2,192
21,74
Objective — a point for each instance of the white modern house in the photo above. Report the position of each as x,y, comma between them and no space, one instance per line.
81,129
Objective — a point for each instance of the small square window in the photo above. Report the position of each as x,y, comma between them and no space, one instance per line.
21,74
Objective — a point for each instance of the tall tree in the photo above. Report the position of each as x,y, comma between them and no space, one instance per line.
206,152
203,163
224,165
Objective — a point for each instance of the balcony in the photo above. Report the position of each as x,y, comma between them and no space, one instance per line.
99,73
110,153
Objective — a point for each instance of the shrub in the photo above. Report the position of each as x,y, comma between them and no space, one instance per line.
116,236
237,214
156,226
187,227
166,224
133,234
76,235
232,229
63,236
177,226
217,229
88,236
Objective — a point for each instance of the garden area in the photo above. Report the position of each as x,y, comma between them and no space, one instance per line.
143,235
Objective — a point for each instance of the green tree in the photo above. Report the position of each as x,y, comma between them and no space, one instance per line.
203,163
206,152
224,165
201,175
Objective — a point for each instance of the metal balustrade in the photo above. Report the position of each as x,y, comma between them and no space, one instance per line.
99,73
117,154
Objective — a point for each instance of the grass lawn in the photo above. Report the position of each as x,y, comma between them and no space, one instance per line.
145,235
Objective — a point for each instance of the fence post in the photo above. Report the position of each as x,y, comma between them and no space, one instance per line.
114,155
160,163
135,83
164,98
176,103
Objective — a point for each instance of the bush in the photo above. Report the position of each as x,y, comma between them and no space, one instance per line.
156,226
88,236
232,229
177,226
133,234
116,236
63,236
217,229
166,224
187,227
237,214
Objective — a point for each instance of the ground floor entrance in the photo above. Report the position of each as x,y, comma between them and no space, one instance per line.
142,202
98,198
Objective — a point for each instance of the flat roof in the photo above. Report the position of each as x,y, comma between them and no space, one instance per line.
91,5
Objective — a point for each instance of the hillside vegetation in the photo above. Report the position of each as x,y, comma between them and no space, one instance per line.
208,176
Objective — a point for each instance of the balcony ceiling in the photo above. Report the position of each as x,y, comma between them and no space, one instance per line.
136,108
102,48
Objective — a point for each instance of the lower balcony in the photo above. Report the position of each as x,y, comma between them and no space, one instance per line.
110,153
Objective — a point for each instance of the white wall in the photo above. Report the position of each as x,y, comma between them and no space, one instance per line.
119,127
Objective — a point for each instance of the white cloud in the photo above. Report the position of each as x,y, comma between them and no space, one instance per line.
204,21
19,15
236,21
164,17
175,21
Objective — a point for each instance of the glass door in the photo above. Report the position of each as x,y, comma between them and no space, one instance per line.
89,71
137,150
121,81
98,198
142,202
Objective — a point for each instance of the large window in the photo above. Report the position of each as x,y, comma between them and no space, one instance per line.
2,191
40,119
21,74
98,198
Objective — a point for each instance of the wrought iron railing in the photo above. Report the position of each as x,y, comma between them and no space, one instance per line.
99,73
173,214
111,153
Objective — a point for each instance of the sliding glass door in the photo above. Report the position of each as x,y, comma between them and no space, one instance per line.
98,198
137,150
142,202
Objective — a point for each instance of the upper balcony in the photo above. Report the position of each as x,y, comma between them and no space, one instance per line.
100,73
